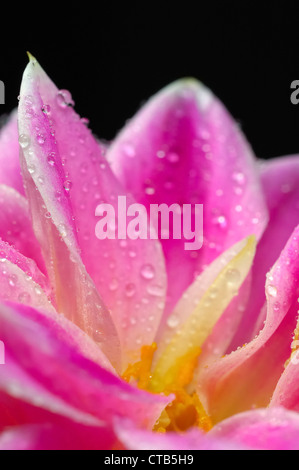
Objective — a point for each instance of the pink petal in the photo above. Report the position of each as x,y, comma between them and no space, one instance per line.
10,171
46,370
21,281
183,147
61,434
47,190
248,376
141,439
280,180
286,393
263,429
15,225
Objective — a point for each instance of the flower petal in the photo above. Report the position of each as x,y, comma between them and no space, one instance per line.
62,434
205,301
183,147
47,190
247,377
280,181
141,439
286,393
21,281
45,369
10,171
15,225
263,429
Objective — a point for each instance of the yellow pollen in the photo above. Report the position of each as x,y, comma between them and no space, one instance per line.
186,410
140,372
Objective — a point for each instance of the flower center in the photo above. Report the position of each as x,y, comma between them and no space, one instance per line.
186,410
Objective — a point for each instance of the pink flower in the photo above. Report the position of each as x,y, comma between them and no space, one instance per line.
110,343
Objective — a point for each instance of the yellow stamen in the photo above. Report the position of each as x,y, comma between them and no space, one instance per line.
186,410
140,372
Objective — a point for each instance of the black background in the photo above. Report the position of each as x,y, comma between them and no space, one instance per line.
113,56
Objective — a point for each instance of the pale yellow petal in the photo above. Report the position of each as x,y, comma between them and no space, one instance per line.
176,353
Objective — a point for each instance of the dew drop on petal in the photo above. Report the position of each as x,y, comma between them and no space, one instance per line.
51,158
62,230
46,109
147,271
238,177
233,276
130,289
41,139
67,185
172,321
155,291
221,221
113,285
24,141
64,99
129,150
173,157
272,290
24,298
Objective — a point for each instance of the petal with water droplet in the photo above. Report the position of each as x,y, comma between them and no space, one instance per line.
21,281
48,372
280,181
263,429
199,310
16,226
247,377
75,294
75,183
187,150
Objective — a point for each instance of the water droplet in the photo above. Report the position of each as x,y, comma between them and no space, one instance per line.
238,177
41,139
150,190
160,154
221,221
155,291
28,100
213,293
64,99
276,306
24,141
46,109
51,158
12,280
67,185
130,289
129,150
148,271
233,276
85,121
173,157
113,285
24,298
272,290
172,321
62,230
